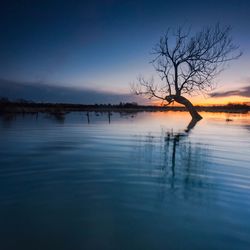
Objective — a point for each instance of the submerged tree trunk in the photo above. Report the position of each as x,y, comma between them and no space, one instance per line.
189,106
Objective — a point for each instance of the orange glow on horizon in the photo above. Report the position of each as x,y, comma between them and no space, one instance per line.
201,101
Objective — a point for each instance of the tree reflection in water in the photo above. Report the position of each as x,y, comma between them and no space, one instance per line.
175,155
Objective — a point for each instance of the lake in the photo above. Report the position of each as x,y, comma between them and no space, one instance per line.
124,181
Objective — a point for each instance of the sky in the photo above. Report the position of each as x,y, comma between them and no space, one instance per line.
102,46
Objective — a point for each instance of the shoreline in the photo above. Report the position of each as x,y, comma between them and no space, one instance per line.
63,108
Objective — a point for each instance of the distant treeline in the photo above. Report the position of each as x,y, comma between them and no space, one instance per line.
24,106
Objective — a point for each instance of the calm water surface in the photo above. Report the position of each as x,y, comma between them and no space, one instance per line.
138,182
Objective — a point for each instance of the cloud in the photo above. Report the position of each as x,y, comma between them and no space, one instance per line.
244,92
48,93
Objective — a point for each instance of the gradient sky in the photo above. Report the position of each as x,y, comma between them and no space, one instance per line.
104,45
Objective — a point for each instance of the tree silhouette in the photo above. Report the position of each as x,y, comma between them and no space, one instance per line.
187,64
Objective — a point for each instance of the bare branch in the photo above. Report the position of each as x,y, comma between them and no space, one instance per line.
187,63
147,88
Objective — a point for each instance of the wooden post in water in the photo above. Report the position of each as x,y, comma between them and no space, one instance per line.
109,115
88,117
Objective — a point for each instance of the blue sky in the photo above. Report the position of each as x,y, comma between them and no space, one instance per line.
105,45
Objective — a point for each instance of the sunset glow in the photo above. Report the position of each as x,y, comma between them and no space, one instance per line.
201,101
125,124
101,47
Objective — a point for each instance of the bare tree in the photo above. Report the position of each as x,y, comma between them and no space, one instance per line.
187,64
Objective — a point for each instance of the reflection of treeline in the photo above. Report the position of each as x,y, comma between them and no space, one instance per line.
24,106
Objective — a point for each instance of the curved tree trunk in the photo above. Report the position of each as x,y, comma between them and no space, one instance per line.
189,106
